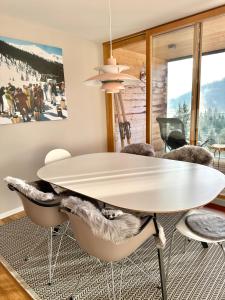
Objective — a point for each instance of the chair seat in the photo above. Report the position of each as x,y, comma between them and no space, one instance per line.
208,225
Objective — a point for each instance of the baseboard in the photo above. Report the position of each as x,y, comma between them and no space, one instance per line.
11,212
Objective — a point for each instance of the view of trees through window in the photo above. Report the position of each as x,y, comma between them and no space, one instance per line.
212,97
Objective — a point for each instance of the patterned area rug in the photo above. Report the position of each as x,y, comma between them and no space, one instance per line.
197,274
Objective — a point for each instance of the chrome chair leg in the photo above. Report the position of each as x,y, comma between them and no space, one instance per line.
59,246
121,279
36,245
50,255
142,263
140,269
107,282
113,285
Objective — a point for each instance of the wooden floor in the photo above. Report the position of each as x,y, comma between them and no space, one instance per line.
10,289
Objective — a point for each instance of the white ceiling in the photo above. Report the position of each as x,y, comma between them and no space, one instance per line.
89,18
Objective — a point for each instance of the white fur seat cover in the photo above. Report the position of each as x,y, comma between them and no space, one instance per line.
116,230
139,149
29,190
123,226
189,153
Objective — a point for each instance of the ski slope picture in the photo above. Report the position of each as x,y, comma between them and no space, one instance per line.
32,86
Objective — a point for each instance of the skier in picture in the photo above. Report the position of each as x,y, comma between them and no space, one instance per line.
49,91
62,89
45,90
31,92
2,92
35,88
10,102
40,99
27,93
11,88
54,94
21,101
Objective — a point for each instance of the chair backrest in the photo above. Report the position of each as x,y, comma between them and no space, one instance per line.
172,129
45,216
56,154
104,249
39,203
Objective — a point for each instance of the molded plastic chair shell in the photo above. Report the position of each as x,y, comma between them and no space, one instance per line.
184,229
107,250
56,154
45,214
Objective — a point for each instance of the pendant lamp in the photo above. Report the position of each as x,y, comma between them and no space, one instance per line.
110,77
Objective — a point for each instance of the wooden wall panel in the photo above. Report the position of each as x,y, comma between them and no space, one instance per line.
159,99
134,97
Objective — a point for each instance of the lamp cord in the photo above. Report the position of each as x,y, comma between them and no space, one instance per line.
110,27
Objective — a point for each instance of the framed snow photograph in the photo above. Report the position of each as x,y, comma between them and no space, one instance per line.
32,86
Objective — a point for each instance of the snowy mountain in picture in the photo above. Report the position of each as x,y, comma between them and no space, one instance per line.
18,73
40,52
32,86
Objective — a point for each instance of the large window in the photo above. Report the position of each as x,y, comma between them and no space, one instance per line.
212,100
179,91
184,64
188,81
212,96
171,81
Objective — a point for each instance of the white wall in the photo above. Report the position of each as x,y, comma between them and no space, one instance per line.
23,146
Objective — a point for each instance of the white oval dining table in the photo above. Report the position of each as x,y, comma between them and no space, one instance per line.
139,183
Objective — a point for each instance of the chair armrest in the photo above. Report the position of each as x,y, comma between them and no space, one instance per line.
50,203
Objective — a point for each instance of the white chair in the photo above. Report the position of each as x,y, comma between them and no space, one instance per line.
94,236
42,208
56,154
211,236
52,156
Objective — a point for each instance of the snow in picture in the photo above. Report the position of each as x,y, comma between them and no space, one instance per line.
32,84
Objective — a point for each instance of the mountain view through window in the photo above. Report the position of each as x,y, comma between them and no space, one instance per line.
212,97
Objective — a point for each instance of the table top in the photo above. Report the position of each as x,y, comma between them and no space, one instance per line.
136,182
218,147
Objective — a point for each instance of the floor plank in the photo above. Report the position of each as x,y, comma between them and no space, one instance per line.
10,289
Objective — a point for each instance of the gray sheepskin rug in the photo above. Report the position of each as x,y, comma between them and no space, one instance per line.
29,190
139,149
113,225
189,153
116,230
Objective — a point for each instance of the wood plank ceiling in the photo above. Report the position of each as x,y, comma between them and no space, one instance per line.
179,43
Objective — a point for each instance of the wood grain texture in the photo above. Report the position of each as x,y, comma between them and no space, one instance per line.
196,84
109,108
10,288
179,23
133,97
